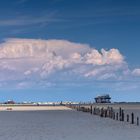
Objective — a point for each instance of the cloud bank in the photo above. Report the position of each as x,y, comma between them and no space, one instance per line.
32,61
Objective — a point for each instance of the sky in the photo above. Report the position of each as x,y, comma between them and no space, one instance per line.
69,50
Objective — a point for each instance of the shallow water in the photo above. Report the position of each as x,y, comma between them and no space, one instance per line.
63,125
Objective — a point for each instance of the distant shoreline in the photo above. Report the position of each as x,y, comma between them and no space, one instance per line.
35,107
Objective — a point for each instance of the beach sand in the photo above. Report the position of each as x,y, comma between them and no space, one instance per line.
30,108
64,124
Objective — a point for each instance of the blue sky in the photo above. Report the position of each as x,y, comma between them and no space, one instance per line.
107,26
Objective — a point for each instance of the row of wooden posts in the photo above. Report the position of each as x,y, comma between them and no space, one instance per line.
109,112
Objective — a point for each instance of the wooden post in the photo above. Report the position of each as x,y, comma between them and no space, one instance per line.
122,115
137,120
91,109
113,115
101,112
98,111
94,111
109,112
127,118
132,118
117,116
105,113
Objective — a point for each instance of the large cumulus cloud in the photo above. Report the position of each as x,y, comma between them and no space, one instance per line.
35,60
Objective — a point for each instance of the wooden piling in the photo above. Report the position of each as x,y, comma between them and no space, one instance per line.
94,110
117,116
112,113
132,118
101,112
91,109
137,120
109,113
120,114
114,116
105,113
122,118
127,118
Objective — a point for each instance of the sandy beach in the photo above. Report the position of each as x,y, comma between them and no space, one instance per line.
31,108
61,123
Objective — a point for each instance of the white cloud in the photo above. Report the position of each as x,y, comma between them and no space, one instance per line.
94,57
28,72
57,63
112,56
108,76
23,84
105,57
136,72
24,59
19,48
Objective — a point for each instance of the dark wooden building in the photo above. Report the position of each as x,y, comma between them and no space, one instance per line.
103,99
